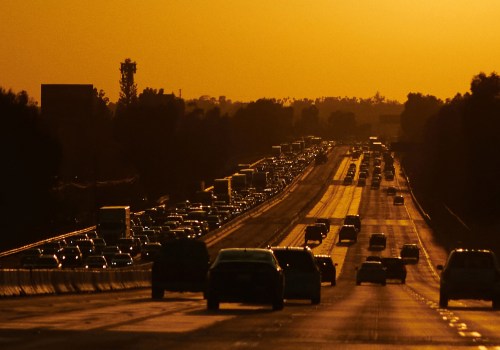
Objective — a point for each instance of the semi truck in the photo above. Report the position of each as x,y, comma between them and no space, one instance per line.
114,223
222,189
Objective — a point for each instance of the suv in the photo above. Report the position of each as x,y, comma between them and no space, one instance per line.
313,233
302,274
325,221
470,274
377,241
327,268
353,219
181,266
395,268
410,252
245,275
348,232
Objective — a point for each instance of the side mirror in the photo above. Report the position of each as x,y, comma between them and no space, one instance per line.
440,267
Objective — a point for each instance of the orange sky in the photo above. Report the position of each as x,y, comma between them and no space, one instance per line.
246,50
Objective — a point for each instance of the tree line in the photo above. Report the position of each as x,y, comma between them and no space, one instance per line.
454,161
150,146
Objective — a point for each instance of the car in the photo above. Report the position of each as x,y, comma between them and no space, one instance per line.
182,266
302,274
373,258
325,221
361,182
470,274
150,251
378,241
375,184
214,221
353,219
395,268
122,260
327,268
391,191
389,175
248,275
99,244
348,180
129,245
410,252
110,251
29,256
47,261
51,248
71,256
96,262
398,200
371,271
313,233
86,246
349,233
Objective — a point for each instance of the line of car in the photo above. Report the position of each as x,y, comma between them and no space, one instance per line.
247,275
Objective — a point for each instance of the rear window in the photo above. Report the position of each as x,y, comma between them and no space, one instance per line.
246,255
472,260
293,259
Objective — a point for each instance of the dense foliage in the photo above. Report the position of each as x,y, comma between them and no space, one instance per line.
456,162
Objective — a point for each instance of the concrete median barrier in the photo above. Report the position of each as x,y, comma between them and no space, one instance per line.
19,282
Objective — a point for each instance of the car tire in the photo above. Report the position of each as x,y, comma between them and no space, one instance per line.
403,281
443,300
320,241
157,293
358,283
383,283
316,300
334,282
212,303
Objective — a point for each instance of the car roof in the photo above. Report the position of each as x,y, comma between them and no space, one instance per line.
291,248
410,245
245,254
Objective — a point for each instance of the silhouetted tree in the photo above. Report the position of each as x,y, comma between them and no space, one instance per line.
417,110
30,159
309,123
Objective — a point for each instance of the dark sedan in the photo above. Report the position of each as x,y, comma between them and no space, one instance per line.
248,275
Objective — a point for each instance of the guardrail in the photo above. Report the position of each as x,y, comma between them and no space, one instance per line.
36,244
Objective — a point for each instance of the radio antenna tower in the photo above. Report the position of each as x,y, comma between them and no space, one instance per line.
128,88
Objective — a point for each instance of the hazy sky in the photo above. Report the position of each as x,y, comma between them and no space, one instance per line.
246,49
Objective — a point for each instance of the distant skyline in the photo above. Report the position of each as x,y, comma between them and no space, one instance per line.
246,50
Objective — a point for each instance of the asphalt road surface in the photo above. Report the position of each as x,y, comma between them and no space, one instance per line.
369,316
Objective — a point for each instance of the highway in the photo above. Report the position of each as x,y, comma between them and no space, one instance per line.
349,316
